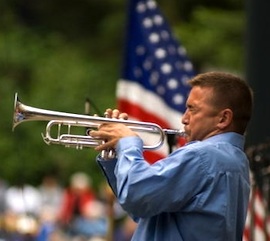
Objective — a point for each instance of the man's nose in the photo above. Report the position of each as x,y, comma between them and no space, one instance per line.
185,118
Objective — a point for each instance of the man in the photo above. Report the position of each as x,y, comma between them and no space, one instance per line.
200,192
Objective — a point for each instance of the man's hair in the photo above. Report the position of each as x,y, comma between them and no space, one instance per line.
229,91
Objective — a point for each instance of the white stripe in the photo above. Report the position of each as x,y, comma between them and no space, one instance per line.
259,235
259,206
135,94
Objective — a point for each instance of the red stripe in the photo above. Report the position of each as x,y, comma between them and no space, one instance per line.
258,221
152,156
246,235
138,112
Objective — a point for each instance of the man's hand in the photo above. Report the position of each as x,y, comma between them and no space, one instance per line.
111,133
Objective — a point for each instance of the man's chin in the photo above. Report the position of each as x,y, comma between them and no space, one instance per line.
187,137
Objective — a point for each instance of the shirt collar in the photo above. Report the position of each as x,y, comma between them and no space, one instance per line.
234,138
231,137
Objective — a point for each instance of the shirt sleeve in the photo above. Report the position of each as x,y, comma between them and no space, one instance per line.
144,190
108,166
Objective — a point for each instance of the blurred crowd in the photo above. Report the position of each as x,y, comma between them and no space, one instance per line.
51,212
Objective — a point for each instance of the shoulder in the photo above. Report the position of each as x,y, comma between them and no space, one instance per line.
218,154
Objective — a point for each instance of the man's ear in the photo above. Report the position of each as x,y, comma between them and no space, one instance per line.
225,118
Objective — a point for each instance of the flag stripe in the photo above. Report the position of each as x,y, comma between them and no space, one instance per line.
153,156
149,117
152,106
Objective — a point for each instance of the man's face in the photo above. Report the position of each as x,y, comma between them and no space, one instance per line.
201,118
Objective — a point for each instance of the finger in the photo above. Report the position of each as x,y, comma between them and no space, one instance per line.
98,134
108,113
115,113
106,146
123,116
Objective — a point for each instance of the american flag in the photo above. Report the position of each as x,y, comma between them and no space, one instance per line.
257,227
156,68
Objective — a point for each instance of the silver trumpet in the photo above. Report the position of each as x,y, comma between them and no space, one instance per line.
57,120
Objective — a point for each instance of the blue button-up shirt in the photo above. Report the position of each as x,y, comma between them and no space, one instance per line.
198,193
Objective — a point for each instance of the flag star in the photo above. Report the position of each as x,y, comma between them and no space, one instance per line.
166,68
165,35
171,49
178,99
160,53
154,38
141,7
188,66
182,50
184,66
158,20
161,90
178,65
154,77
185,80
137,72
147,23
140,50
147,64
151,4
172,83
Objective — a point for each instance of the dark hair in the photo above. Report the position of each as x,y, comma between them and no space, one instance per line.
229,91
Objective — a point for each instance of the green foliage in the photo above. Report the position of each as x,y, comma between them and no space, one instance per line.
56,54
49,73
214,39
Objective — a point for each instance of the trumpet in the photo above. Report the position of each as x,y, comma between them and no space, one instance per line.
56,120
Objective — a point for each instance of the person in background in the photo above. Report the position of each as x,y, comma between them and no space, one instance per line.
23,204
201,190
76,199
93,221
51,193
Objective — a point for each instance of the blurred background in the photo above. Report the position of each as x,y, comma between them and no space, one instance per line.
56,54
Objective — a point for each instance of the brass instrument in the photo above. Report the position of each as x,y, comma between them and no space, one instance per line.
24,113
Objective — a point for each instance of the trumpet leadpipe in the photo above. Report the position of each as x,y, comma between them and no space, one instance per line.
174,132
